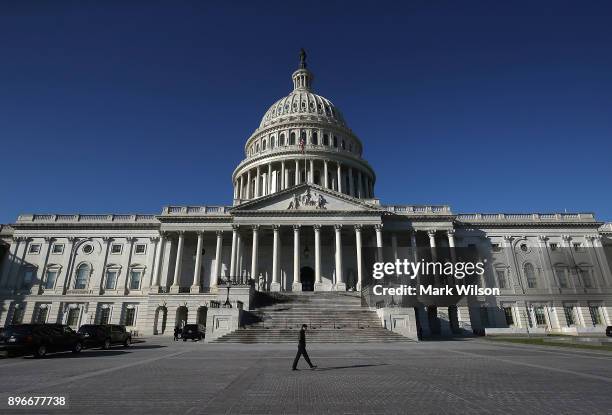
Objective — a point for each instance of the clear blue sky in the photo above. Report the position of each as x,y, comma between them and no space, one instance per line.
122,107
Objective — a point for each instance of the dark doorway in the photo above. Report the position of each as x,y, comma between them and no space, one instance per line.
308,279
434,322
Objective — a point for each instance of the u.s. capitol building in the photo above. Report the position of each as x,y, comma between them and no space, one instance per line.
304,211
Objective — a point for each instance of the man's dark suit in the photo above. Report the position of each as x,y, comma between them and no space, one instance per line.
302,350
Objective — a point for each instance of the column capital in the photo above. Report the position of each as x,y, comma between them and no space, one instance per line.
131,239
338,227
255,228
276,228
73,239
378,227
154,238
180,233
296,228
49,239
107,239
316,228
542,238
199,232
566,238
508,238
358,227
431,232
235,228
219,233
450,232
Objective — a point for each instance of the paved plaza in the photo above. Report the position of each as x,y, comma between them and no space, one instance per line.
469,376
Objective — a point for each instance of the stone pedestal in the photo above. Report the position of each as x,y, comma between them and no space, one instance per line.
175,289
319,286
194,289
296,287
275,286
341,286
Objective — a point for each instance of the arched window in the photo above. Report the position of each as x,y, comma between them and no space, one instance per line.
82,276
325,140
263,145
303,135
530,275
335,141
272,143
257,148
315,138
281,141
292,139
343,145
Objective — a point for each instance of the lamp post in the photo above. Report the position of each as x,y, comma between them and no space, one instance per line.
228,282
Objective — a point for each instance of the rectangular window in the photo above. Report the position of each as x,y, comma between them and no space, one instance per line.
585,275
501,278
50,279
561,277
28,277
111,280
140,249
484,317
130,313
104,315
531,281
34,249
540,317
116,248
509,316
135,280
18,314
41,315
73,317
595,315
569,315
57,248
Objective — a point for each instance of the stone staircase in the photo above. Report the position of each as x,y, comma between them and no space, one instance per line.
331,317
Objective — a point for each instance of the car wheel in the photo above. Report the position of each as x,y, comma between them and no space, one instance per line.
77,348
107,344
184,339
41,351
127,342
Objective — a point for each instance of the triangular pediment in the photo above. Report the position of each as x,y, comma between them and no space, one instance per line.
306,198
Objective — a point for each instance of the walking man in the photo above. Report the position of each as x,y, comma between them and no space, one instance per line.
302,349
176,333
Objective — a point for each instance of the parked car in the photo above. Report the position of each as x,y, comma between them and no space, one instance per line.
609,331
193,332
104,335
39,339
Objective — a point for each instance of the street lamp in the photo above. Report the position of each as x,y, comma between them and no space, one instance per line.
228,282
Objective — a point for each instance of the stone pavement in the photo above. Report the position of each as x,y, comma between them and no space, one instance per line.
444,377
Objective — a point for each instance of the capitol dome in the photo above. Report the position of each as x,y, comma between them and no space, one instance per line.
303,138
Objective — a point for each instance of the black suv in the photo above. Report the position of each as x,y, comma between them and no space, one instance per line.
193,332
609,331
39,339
104,335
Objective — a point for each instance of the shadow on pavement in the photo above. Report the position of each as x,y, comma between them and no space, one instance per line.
321,369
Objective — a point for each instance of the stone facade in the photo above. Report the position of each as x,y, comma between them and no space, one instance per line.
304,211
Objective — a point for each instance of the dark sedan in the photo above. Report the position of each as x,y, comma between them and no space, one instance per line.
39,339
104,335
193,332
609,331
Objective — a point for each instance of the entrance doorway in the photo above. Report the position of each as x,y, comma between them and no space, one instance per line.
181,316
308,279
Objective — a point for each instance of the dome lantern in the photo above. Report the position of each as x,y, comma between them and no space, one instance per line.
302,77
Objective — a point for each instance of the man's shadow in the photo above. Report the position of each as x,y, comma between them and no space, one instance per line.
321,369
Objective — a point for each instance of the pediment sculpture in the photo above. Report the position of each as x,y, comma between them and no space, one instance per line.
307,200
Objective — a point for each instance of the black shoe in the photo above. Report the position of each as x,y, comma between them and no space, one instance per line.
295,369
313,367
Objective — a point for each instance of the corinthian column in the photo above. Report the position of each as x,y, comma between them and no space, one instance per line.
233,254
297,283
178,262
275,286
325,174
195,286
359,260
254,266
214,277
317,232
340,285
379,243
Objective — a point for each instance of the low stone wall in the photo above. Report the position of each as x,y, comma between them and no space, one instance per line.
221,321
399,320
